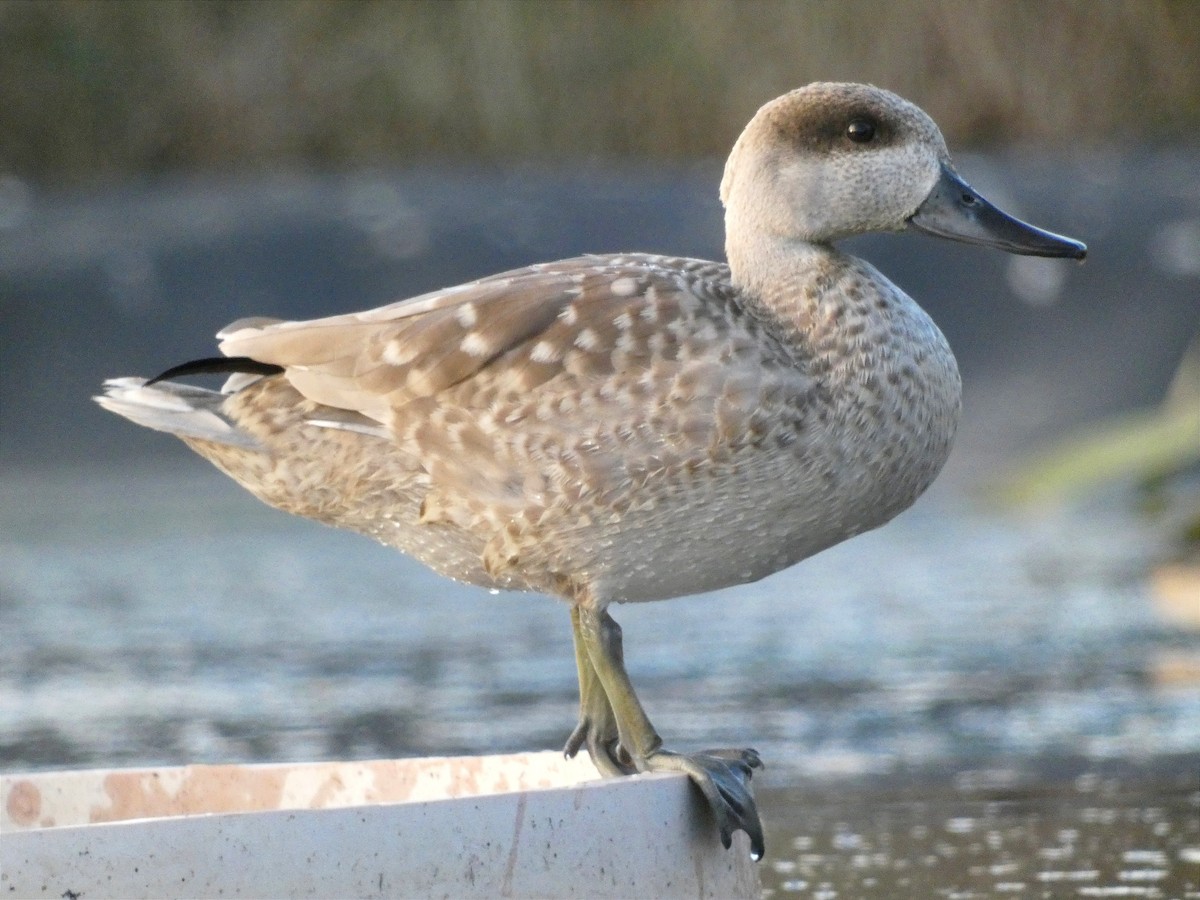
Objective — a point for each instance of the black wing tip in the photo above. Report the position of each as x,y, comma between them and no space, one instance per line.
218,365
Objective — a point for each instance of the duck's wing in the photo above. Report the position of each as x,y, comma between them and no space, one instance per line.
575,375
375,362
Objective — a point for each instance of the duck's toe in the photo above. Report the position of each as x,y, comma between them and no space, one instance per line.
599,734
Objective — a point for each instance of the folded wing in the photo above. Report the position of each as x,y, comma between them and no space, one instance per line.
541,385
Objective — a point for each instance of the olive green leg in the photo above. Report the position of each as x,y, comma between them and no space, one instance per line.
621,739
597,728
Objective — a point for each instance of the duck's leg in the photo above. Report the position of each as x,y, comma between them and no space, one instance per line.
608,700
597,728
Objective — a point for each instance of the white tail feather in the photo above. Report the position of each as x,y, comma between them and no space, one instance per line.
177,409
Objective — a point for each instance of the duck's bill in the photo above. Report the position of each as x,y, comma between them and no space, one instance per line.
955,210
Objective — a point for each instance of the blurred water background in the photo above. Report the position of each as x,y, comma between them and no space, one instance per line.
977,674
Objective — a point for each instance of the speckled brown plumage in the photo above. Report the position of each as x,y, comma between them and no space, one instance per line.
614,439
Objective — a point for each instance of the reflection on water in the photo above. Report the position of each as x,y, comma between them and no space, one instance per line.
1090,836
906,689
152,621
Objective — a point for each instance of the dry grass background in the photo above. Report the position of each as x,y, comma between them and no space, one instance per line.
101,90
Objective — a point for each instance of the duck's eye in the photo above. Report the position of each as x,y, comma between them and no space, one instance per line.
861,131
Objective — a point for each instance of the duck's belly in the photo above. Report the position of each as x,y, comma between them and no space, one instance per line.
762,516
681,535
705,536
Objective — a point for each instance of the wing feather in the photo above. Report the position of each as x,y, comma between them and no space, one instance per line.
586,376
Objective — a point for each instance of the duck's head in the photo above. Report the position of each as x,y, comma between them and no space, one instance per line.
829,160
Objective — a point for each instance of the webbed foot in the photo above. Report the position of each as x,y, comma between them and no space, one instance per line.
723,776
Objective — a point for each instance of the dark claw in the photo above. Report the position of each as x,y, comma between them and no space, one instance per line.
607,755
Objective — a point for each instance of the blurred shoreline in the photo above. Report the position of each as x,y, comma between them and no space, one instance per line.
130,280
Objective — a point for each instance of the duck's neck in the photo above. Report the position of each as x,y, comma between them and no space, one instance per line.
783,275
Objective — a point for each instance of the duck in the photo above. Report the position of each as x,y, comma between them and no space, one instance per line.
629,427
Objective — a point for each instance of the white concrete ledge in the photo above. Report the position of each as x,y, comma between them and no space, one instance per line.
527,825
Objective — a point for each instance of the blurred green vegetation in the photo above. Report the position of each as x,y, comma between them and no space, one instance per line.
103,89
1156,448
